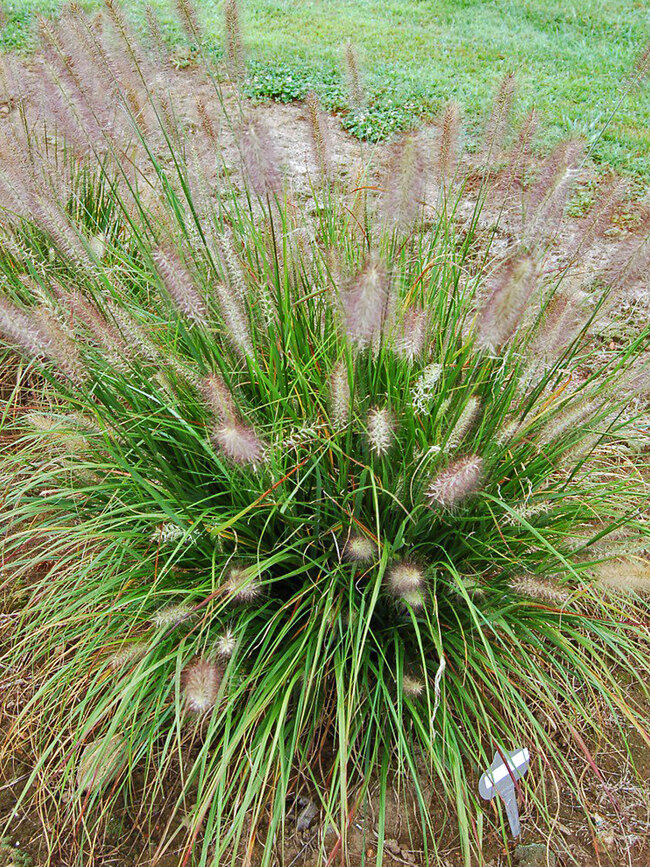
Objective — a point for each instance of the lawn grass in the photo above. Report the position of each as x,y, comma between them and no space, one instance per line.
570,58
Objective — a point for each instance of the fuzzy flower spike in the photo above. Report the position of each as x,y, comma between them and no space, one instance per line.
405,581
241,586
339,394
456,483
226,643
239,443
364,304
235,439
201,682
380,430
360,549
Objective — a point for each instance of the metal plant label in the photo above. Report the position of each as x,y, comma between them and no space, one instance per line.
500,779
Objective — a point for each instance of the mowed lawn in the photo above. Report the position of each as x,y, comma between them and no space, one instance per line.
571,58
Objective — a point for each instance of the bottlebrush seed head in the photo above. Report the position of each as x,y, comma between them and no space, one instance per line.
449,143
239,443
425,385
21,329
541,588
355,86
548,196
527,512
501,314
179,285
189,19
339,393
413,598
497,125
171,615
241,586
128,655
456,483
234,273
360,549
405,581
218,397
412,686
133,335
234,45
260,159
100,762
405,184
60,432
572,418
636,380
507,190
63,350
201,682
625,575
381,430
319,135
167,533
508,432
364,304
469,584
208,125
465,422
410,338
226,643
235,319
641,69
566,315
103,331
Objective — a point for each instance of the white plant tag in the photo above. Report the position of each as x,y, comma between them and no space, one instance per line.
500,779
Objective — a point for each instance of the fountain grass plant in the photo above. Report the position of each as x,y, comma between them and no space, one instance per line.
310,492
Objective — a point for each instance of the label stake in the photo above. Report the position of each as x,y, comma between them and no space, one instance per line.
500,779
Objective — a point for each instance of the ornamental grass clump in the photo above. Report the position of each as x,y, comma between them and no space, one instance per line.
317,531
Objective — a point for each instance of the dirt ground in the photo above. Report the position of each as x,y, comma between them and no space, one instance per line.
619,808
619,832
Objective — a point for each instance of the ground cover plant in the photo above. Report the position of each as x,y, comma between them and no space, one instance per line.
307,492
420,54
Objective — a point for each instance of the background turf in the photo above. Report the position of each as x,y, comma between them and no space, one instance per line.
571,59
